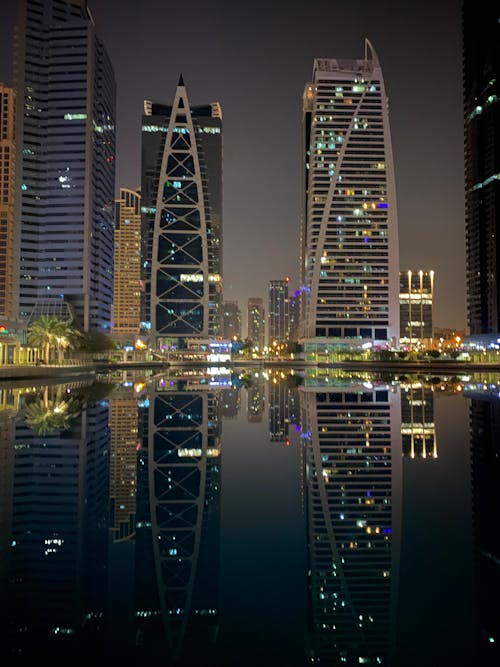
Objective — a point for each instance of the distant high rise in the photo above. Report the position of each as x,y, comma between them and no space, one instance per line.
349,240
127,274
7,166
278,311
416,296
481,91
65,164
231,320
294,316
256,322
182,220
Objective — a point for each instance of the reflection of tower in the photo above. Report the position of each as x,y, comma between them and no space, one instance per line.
417,421
230,402
256,399
123,414
178,524
57,590
283,406
277,410
485,454
352,445
7,431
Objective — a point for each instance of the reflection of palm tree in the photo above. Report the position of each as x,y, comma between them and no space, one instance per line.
48,332
45,416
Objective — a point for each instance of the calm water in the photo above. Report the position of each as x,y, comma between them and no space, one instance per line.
282,518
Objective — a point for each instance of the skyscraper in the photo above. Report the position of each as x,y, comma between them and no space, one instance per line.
231,320
349,239
7,165
278,311
127,273
416,296
65,148
481,91
256,322
182,220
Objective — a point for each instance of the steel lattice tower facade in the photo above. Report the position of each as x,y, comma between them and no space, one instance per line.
182,221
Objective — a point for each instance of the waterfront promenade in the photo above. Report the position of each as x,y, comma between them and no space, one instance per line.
72,369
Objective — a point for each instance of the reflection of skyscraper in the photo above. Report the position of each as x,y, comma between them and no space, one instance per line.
182,226
277,410
230,401
349,245
352,440
417,421
256,399
178,525
485,455
123,415
65,163
59,533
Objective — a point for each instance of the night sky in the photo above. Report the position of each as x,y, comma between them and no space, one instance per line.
255,58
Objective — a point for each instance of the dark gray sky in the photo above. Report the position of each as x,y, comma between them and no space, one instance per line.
255,58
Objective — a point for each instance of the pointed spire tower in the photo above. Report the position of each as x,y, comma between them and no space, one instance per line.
182,257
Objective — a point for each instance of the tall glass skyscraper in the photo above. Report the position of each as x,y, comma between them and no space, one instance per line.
349,240
65,128
481,90
182,220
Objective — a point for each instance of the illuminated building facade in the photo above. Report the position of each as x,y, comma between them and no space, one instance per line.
294,316
481,95
416,298
182,221
352,442
349,240
231,320
278,311
65,164
127,273
7,170
256,322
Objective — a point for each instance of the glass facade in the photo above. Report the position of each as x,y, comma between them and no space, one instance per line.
181,221
349,244
66,163
481,91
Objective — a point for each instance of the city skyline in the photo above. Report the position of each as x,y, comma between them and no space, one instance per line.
260,92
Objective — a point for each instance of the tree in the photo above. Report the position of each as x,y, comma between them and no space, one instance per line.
48,332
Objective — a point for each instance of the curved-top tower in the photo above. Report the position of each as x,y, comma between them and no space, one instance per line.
349,240
182,205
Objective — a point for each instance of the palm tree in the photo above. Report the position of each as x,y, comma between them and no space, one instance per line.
47,332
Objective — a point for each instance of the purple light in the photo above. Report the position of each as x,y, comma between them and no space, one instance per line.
382,204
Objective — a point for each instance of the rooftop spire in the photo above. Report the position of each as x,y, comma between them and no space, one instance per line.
181,80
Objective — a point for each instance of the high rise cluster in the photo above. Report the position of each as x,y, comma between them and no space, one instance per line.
146,264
